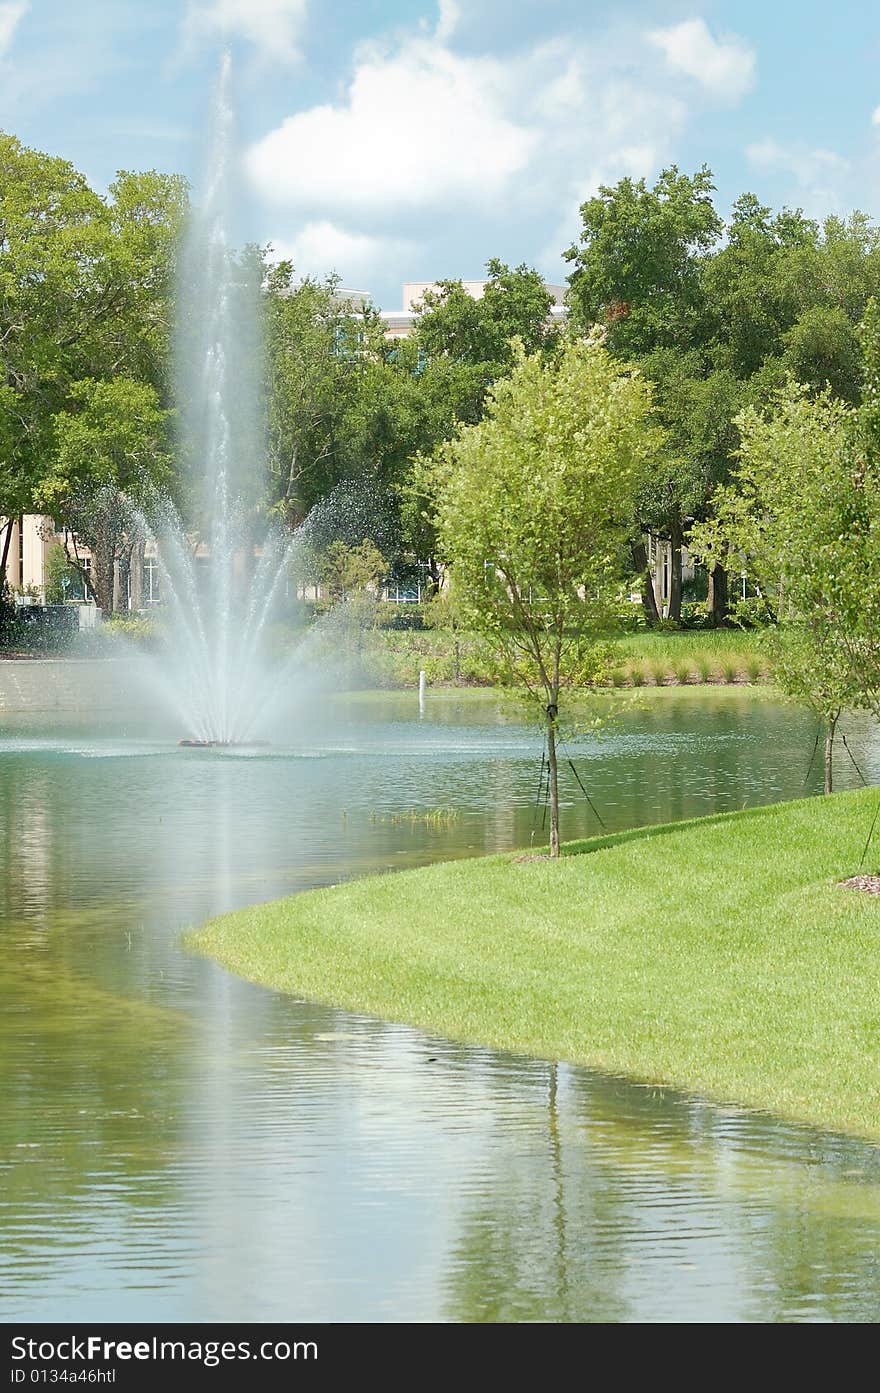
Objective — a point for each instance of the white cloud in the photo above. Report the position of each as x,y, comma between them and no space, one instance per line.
11,15
323,248
725,66
875,116
820,179
273,27
448,19
420,126
427,139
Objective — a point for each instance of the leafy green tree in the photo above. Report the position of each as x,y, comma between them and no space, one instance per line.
637,270
717,326
109,460
86,289
515,305
344,569
797,512
459,347
636,267
530,509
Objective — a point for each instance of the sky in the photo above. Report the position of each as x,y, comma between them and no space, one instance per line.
389,141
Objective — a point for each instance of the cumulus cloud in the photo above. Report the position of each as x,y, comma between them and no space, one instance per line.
11,15
272,27
420,125
725,66
875,116
427,135
820,179
322,248
448,19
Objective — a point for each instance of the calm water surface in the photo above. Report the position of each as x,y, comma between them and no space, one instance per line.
180,1145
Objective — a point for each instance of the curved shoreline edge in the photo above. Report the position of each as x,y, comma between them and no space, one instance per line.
718,956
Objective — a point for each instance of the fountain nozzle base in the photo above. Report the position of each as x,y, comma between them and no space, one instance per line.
190,744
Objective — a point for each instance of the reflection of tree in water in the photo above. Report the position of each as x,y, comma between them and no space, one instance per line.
817,1245
528,1247
619,1202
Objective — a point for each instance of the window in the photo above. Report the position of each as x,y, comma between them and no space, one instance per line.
152,581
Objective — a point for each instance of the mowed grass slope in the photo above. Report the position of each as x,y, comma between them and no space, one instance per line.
718,956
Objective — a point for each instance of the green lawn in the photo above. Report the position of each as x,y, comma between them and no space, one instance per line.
718,956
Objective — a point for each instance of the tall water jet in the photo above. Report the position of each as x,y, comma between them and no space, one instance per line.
218,581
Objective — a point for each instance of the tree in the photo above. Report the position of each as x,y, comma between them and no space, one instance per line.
344,569
637,263
638,271
459,347
530,508
309,380
515,305
85,293
108,462
798,512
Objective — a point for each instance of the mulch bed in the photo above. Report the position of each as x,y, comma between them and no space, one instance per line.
870,884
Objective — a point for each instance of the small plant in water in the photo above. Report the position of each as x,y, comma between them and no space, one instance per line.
637,675
730,670
704,668
682,672
425,817
754,668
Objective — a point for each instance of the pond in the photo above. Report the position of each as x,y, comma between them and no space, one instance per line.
177,1144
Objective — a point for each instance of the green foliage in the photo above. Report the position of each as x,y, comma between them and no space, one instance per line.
530,505
800,513
85,294
515,305
345,569
60,575
636,268
108,460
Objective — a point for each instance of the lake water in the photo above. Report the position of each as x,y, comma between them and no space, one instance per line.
179,1145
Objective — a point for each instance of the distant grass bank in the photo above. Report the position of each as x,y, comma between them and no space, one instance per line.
716,956
449,658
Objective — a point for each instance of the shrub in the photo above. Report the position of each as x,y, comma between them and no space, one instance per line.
753,613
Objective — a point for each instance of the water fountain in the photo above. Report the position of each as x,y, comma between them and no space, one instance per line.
218,584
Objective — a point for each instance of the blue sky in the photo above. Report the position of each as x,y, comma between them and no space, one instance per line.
394,141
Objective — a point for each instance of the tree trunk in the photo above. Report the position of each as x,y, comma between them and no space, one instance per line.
433,586
829,752
675,542
102,578
120,586
718,603
646,582
552,778
7,541
137,573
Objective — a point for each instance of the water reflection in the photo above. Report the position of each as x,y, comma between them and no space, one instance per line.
177,1144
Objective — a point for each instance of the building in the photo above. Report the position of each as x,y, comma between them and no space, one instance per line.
399,323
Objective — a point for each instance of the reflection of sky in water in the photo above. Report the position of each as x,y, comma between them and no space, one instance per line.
177,1144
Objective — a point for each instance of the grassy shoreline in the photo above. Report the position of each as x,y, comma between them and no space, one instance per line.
719,956
394,658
